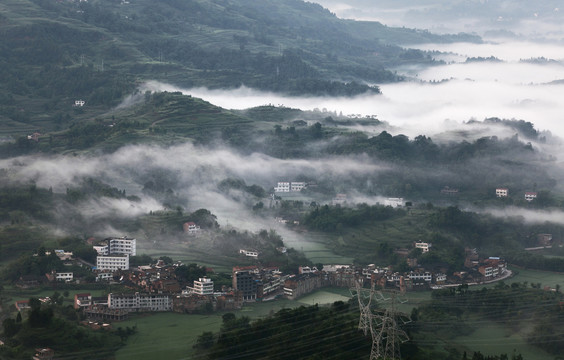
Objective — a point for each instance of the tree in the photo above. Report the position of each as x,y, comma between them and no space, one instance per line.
316,131
34,304
11,328
227,317
205,341
204,218
166,259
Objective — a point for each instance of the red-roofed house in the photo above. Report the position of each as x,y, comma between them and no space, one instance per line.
530,196
22,305
82,300
190,227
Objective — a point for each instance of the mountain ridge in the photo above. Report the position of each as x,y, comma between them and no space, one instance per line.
98,51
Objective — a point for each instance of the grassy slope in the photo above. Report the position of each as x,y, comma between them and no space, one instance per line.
174,118
362,241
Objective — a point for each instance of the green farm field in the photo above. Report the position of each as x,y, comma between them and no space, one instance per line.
492,338
545,278
172,336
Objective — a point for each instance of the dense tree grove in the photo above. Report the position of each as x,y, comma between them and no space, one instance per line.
323,332
238,184
56,326
189,273
331,218
333,331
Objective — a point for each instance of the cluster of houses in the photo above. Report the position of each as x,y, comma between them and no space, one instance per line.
500,192
504,192
157,287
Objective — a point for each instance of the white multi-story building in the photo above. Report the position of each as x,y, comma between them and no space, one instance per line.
140,302
249,253
394,202
427,276
501,192
104,276
297,186
112,262
440,278
283,186
286,186
530,196
203,286
121,245
272,284
487,271
423,246
66,276
102,249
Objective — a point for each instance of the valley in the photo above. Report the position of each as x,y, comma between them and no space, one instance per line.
229,179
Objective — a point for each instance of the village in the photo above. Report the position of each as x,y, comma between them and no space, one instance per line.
158,287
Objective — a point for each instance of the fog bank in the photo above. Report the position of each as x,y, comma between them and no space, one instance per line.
417,108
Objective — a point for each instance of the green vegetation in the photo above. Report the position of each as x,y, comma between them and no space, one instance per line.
104,51
520,310
370,233
99,51
56,326
434,329
334,330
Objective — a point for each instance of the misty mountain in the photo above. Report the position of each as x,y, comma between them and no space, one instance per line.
174,152
57,52
495,18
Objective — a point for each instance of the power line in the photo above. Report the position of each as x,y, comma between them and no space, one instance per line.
384,330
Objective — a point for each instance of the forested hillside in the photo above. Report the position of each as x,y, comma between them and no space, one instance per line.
54,53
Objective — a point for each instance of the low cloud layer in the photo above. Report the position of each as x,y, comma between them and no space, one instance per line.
421,108
191,172
473,91
529,19
529,216
503,50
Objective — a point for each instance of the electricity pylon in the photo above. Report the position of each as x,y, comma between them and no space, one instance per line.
389,335
364,297
383,326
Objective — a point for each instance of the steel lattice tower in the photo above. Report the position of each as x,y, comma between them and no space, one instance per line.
384,329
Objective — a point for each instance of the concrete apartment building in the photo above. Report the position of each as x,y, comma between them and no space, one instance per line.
140,302
113,262
121,245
